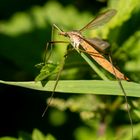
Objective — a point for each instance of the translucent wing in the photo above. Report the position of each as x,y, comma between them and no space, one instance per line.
100,20
99,44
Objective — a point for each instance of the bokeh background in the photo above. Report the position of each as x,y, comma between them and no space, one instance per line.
25,27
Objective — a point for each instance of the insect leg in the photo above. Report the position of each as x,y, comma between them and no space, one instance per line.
125,95
59,72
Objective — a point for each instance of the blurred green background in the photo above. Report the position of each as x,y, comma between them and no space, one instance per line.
25,27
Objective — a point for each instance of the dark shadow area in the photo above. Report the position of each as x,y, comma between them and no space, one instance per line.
8,8
21,110
21,53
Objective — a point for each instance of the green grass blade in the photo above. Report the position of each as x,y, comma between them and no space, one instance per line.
98,87
94,67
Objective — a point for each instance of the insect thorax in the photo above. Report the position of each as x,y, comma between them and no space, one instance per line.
75,38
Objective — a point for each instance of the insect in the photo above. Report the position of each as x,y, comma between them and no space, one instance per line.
94,47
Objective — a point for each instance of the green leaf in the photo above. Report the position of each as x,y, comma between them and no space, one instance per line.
37,135
50,137
98,87
137,113
94,67
24,136
123,13
46,71
8,138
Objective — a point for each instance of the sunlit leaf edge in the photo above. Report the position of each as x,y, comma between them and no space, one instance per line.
98,87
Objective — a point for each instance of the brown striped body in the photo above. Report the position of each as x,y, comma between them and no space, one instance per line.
101,60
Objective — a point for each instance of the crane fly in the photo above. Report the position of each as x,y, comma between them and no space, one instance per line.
93,47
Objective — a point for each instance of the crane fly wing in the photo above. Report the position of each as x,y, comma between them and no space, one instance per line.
97,43
100,20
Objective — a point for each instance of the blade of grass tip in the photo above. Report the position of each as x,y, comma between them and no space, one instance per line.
94,67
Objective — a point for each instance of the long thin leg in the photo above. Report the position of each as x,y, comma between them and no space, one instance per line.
56,83
80,50
89,52
125,95
47,46
46,58
60,70
50,43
